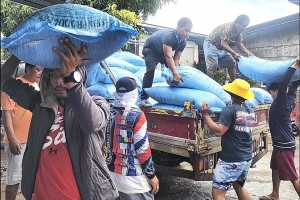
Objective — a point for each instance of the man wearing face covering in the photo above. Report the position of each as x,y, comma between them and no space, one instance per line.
128,152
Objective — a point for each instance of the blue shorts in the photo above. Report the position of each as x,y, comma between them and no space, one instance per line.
226,173
216,58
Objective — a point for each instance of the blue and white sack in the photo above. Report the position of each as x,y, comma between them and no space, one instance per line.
130,57
120,73
116,62
195,79
157,75
102,89
262,96
95,74
177,96
265,70
33,40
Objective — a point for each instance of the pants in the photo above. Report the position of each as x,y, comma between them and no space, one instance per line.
151,59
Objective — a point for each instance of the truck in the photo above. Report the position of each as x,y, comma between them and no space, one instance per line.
182,136
178,136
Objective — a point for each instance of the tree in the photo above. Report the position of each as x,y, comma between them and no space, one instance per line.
12,14
130,12
143,8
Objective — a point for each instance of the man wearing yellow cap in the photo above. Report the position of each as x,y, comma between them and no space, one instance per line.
235,129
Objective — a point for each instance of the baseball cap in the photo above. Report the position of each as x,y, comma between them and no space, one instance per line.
126,84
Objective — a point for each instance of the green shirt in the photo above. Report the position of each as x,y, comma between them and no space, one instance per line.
224,32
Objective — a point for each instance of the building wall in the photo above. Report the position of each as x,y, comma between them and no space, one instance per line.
275,40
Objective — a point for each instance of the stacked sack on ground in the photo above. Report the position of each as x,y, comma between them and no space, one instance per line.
121,64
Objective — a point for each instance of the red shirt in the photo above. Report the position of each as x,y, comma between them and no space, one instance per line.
55,176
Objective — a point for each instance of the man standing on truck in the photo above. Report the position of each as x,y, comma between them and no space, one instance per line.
235,128
128,151
16,122
158,49
217,46
284,144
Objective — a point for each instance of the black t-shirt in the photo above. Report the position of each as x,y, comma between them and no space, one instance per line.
237,141
168,37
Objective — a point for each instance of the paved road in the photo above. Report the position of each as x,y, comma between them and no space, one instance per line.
172,188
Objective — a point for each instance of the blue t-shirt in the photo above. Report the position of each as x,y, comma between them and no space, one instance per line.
168,37
237,141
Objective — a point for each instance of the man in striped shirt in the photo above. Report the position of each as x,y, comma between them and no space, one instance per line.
284,144
128,151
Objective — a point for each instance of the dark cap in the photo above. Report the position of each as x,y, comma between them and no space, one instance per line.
126,84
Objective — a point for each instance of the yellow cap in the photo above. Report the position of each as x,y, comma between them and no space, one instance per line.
240,88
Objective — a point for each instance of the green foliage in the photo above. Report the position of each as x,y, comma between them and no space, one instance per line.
12,14
143,8
127,17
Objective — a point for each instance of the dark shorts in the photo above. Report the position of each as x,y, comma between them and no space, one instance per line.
284,162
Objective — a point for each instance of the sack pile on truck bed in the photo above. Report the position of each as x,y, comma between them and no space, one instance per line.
195,88
261,97
99,83
33,40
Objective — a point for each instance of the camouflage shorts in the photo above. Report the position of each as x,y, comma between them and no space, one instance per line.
226,173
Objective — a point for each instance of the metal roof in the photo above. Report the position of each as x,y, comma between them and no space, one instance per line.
40,3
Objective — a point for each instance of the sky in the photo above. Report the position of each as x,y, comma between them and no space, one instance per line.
207,14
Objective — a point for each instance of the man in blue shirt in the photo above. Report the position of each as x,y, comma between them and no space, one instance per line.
284,144
158,49
235,129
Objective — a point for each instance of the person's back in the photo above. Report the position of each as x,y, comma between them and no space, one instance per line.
169,37
235,129
237,141
224,32
128,151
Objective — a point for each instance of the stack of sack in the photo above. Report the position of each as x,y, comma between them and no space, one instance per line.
196,88
121,64
33,40
261,97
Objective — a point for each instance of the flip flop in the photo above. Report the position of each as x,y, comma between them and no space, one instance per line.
266,197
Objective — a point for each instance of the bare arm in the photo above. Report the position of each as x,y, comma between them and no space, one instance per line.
243,49
14,143
177,56
171,63
9,68
217,129
227,48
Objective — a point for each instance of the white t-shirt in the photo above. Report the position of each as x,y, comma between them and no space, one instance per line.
131,184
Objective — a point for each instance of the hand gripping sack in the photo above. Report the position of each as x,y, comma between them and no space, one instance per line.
177,96
32,41
195,79
130,57
264,70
